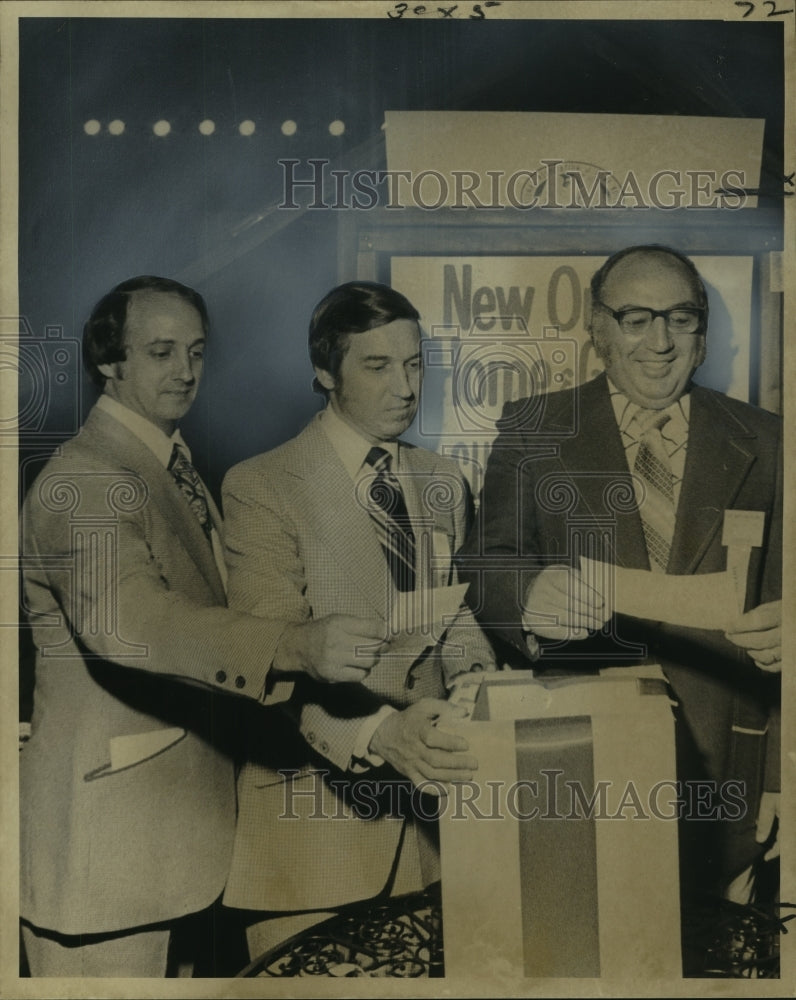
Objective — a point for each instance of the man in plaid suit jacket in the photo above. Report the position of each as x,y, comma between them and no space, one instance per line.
319,824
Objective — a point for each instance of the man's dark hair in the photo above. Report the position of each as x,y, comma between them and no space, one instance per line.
103,334
355,307
651,250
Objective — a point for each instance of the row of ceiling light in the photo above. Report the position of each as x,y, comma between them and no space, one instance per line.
162,127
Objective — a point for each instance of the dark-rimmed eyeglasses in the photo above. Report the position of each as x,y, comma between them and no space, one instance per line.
635,322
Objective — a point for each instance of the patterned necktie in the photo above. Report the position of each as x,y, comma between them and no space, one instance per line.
387,508
654,469
187,478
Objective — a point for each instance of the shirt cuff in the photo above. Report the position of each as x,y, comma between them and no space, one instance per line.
277,691
480,661
361,757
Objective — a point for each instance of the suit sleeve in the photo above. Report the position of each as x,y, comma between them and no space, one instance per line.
107,592
497,559
464,646
266,573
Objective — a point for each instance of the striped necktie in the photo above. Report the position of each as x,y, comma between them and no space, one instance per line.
387,508
657,508
187,479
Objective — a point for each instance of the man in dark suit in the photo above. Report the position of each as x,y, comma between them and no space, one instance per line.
308,541
637,468
127,793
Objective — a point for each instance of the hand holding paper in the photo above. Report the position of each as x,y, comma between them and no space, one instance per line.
705,600
332,649
759,632
700,600
419,618
560,604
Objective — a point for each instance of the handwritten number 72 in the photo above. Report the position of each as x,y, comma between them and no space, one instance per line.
773,11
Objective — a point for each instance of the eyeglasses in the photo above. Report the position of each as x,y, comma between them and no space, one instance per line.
636,322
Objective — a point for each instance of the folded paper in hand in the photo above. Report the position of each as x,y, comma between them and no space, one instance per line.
702,600
418,618
706,600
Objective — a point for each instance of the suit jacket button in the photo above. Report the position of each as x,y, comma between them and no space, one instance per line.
410,682
240,681
323,746
311,737
221,676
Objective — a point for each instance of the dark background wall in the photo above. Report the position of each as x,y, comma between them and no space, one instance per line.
96,209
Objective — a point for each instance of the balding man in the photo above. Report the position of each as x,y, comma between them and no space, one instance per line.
688,454
127,789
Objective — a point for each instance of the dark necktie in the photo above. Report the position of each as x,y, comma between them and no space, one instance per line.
653,467
187,478
387,508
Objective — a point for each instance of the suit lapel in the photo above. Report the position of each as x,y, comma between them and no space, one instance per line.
594,460
119,446
327,493
215,514
718,459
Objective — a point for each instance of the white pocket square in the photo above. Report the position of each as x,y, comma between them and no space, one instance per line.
129,750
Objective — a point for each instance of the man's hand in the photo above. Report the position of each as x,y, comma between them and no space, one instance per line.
766,815
326,648
413,744
561,594
759,632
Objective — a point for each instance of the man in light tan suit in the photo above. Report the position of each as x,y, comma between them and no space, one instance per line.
127,795
308,547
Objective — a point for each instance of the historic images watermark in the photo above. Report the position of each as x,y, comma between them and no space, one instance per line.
49,381
552,184
314,794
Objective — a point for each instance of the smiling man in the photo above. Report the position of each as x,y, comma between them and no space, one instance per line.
637,468
324,533
127,788
649,319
